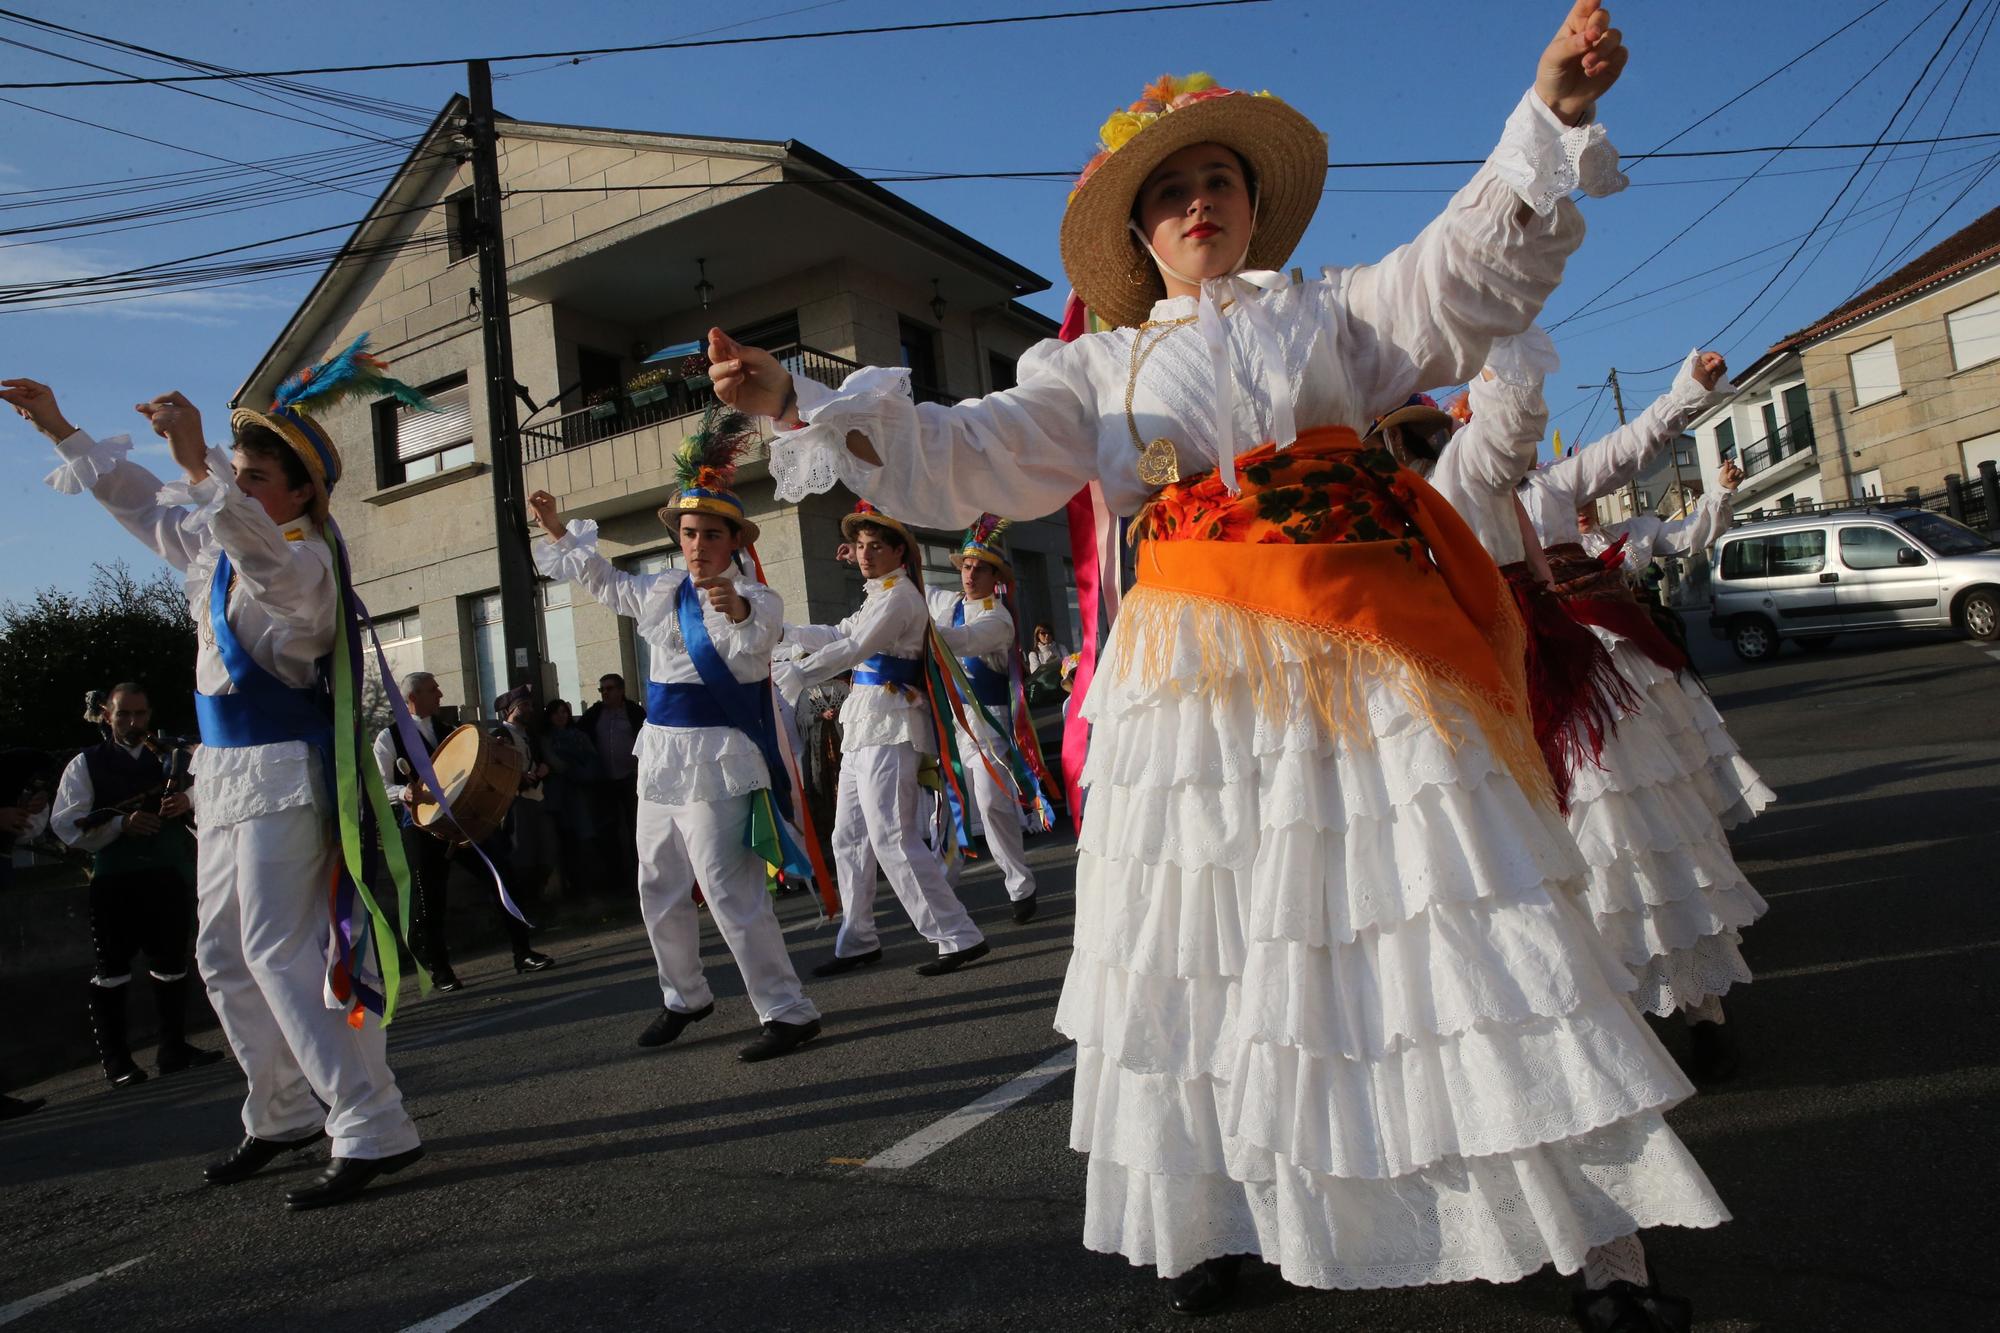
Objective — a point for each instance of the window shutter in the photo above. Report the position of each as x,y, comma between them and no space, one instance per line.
420,433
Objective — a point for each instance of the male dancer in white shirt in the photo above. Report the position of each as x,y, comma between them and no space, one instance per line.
711,630
979,629
261,584
887,727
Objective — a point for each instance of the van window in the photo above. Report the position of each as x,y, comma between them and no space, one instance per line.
1871,548
1775,556
1943,535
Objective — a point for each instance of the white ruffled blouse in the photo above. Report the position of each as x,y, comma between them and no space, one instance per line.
280,604
1336,350
679,765
893,619
987,634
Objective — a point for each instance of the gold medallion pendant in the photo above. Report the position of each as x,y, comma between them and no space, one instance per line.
1159,465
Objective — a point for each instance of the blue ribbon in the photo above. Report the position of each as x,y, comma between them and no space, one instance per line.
683,705
883,669
263,710
746,707
990,686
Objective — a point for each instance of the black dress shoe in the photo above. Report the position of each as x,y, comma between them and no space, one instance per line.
1205,1288
835,965
346,1177
951,962
1624,1307
779,1039
671,1023
1712,1054
444,981
1024,910
533,962
173,1059
253,1155
12,1108
123,1073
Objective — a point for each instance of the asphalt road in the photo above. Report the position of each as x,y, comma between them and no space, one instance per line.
623,1188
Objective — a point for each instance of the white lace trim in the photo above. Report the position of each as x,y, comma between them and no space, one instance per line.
83,469
1543,160
232,785
810,460
685,765
202,499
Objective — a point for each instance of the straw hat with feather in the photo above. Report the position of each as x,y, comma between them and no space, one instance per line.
869,514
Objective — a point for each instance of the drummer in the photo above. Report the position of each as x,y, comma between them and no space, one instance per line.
705,751
431,857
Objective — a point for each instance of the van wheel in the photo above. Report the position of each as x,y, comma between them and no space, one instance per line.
1814,643
1980,614
1753,638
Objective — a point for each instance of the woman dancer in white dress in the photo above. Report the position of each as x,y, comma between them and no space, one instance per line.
1332,1002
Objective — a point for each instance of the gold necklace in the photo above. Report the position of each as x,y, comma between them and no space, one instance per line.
1159,464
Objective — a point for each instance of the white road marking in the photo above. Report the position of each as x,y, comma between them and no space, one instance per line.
1915,956
971,1116
458,1314
1993,653
506,1014
29,1304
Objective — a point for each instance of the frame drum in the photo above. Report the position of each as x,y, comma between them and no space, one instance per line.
481,777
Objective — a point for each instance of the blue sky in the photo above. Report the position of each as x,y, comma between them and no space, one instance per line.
1003,99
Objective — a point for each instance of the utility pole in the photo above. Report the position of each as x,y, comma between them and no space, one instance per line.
519,616
1618,401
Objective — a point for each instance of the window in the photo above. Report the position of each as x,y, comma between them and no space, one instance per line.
489,652
403,644
1770,414
1775,556
1943,535
938,569
1985,449
658,562
1872,548
1000,372
1070,606
1868,485
461,227
1683,458
1798,411
1645,501
919,348
1874,372
1974,332
559,642
413,444
1725,439
770,334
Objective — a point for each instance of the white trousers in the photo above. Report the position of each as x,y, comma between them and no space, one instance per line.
680,845
1000,817
875,822
262,951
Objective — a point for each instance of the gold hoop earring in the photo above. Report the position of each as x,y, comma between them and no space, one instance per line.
1141,272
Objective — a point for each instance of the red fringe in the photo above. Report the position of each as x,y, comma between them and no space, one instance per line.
1574,692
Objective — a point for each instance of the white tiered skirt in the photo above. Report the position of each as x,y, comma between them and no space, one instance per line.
1664,889
1335,1004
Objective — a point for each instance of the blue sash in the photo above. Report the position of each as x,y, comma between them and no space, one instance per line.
263,710
683,705
746,707
990,686
883,669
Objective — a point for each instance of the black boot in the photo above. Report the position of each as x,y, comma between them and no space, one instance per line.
1623,1307
175,1053
1712,1052
1205,1288
107,1022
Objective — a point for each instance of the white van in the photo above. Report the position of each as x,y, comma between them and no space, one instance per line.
1809,577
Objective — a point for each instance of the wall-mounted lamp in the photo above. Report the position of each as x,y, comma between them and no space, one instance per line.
704,289
937,302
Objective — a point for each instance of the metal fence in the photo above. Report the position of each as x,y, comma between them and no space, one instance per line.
1974,501
629,409
1794,437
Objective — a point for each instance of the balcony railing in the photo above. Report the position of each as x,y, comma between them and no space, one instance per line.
629,410
1794,437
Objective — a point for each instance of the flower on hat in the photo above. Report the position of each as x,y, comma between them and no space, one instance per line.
1163,96
1122,125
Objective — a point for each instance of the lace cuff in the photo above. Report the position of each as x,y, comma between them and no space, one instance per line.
557,558
1523,359
86,461
202,499
1543,159
808,461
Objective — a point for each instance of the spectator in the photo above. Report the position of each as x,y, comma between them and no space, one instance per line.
1046,651
528,825
117,801
613,724
574,774
819,755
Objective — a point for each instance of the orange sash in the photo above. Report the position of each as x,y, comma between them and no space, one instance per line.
1333,559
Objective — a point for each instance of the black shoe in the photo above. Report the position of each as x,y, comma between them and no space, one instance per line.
346,1177
533,962
1625,1308
779,1039
1205,1288
835,965
1024,910
13,1108
1712,1058
173,1059
253,1155
951,962
107,1025
671,1023
123,1073
444,981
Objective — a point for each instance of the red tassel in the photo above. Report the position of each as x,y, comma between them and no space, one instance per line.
1575,693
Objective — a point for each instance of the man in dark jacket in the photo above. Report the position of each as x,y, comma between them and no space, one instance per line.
613,724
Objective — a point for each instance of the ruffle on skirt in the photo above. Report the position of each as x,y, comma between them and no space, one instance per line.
1664,890
1337,1003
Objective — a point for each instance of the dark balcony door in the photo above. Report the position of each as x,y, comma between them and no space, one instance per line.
920,354
1798,414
